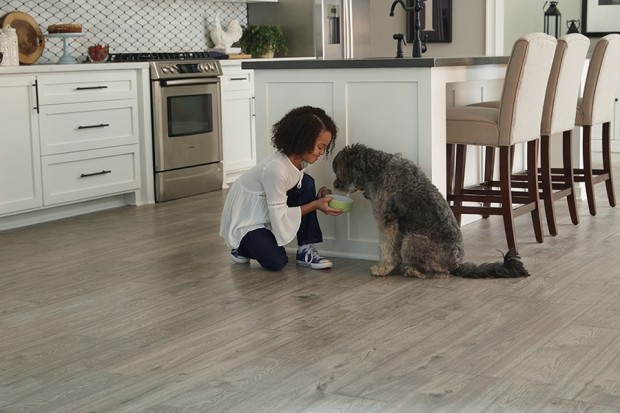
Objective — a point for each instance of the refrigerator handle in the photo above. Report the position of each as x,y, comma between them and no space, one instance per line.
348,28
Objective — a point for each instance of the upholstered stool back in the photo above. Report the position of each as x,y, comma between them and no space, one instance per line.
599,92
521,104
524,89
563,86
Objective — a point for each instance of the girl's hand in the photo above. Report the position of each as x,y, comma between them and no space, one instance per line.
323,192
323,206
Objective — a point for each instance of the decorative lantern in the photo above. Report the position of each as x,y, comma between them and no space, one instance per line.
553,19
573,26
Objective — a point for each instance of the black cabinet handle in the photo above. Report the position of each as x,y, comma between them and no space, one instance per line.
101,125
36,93
238,78
91,87
95,173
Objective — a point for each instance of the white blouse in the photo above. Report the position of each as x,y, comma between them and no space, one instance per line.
257,199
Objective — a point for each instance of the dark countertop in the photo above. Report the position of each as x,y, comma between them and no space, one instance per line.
371,63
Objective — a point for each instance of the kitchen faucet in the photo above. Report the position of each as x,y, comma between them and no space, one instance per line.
419,46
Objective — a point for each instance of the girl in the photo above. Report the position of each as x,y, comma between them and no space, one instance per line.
275,201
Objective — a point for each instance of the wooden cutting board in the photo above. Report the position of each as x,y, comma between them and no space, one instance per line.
240,56
29,36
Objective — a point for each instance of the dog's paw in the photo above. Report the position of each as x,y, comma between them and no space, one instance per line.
412,272
381,270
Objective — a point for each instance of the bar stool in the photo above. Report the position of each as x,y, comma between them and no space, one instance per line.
597,107
516,120
560,102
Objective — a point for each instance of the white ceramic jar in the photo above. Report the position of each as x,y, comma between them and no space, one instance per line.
4,48
9,46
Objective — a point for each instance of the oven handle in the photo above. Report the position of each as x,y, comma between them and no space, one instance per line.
182,82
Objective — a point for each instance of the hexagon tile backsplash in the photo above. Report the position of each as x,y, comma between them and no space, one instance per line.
129,26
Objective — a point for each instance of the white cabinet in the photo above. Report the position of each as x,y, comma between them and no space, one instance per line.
89,135
20,168
238,121
73,141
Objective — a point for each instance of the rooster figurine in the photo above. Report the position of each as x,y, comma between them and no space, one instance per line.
223,39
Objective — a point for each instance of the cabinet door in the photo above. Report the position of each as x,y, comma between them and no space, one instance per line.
89,125
77,176
239,143
20,167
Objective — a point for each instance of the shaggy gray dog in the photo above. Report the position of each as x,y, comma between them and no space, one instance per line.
416,226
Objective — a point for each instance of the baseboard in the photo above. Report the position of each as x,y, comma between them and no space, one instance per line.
54,213
597,145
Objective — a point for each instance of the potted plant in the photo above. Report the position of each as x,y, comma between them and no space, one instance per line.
263,40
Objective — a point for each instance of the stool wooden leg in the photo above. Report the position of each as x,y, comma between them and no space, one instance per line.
545,184
506,195
450,153
459,179
587,166
532,188
489,168
609,182
489,163
569,179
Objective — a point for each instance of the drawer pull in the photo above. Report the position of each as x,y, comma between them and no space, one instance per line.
95,173
238,78
90,87
101,125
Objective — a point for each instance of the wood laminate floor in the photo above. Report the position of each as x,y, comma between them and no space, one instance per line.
141,310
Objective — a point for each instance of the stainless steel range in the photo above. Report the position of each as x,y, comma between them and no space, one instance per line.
187,138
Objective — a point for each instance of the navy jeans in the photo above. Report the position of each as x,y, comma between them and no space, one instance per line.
261,244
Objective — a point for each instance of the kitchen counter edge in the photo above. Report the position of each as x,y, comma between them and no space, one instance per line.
78,67
371,63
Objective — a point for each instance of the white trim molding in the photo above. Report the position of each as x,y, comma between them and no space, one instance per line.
494,33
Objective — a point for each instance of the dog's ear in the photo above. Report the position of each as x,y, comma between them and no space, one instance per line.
365,157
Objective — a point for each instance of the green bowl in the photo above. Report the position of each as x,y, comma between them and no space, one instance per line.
341,202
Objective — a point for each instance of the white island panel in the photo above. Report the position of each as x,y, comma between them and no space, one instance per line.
283,94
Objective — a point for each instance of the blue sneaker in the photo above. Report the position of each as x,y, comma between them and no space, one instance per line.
239,259
310,258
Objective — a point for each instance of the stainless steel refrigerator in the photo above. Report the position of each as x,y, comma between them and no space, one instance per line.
329,29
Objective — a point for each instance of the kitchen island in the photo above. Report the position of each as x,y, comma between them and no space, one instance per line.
396,105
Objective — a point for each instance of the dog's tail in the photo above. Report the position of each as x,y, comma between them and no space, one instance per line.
512,267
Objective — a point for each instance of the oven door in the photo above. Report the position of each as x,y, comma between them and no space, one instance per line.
186,123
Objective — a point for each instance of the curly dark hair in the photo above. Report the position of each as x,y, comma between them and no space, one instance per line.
296,133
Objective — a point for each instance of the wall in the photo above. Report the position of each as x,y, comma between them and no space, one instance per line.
130,25
526,16
468,25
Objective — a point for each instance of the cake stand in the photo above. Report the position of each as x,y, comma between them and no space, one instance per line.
66,57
